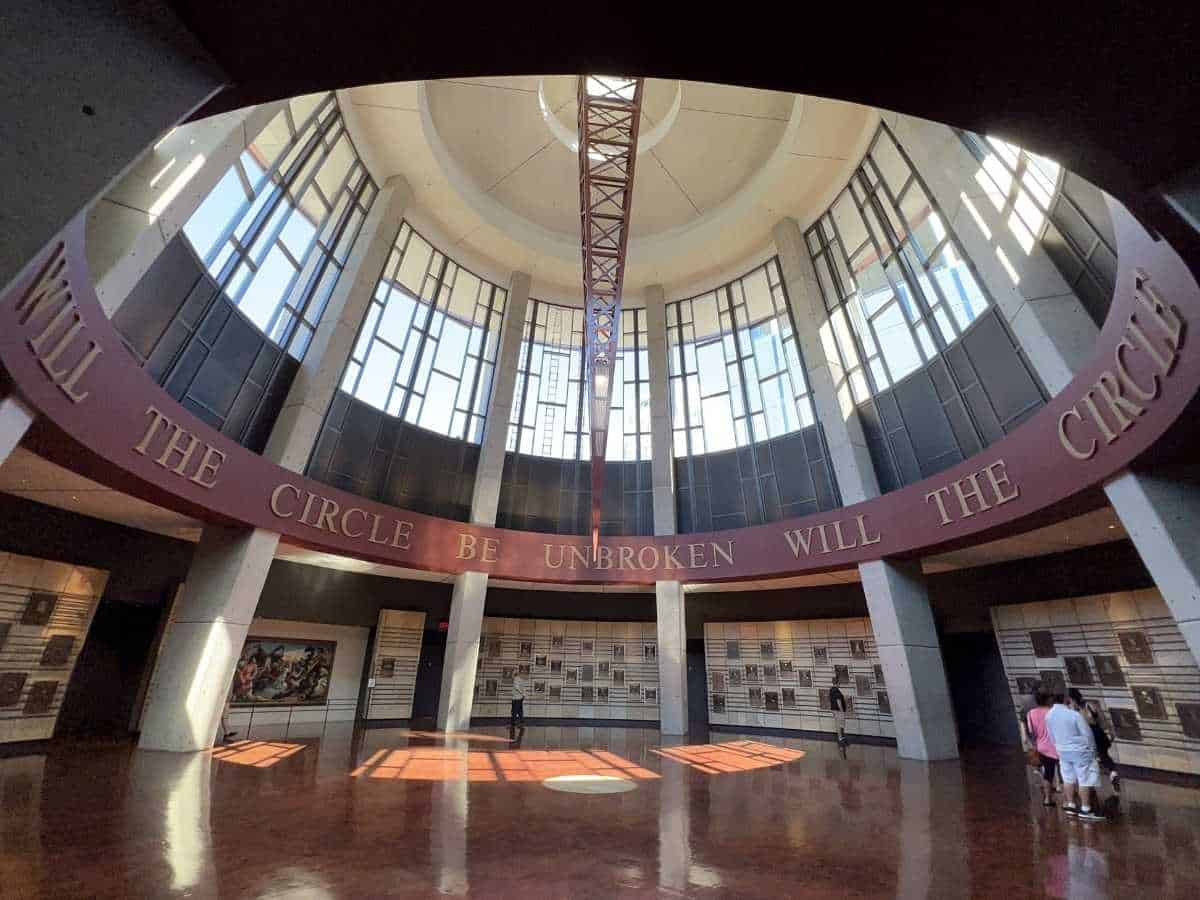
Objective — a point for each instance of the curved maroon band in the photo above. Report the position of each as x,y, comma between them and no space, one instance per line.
68,361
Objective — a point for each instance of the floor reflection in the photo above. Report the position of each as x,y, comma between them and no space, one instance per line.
411,813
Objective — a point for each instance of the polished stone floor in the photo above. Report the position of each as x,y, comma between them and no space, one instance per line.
394,813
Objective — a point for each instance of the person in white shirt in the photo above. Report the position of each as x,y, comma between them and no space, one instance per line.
1077,759
518,702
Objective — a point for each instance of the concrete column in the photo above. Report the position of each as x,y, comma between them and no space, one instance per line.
295,431
896,596
462,651
669,596
129,226
1160,512
907,641
470,588
1057,337
208,626
834,403
485,499
672,657
662,464
15,419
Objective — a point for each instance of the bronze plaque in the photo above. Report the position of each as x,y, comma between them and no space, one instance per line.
39,609
1078,670
11,685
58,650
1149,702
718,703
1136,647
858,648
841,674
1043,644
387,668
804,678
771,701
789,697
862,685
1053,681
41,697
1109,670
4,627
1189,718
733,650
1125,724
885,704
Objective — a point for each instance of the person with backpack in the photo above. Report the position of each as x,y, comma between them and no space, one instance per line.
1091,714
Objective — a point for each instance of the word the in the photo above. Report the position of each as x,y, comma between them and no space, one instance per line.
968,489
180,447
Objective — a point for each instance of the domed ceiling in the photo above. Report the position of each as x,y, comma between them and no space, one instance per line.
493,166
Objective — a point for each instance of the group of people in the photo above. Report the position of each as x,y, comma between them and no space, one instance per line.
1066,736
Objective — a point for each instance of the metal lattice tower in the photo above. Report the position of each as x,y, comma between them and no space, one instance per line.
609,110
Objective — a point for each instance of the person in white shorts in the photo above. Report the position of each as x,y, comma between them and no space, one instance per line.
1077,759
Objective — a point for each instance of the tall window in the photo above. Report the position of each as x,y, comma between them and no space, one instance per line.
895,282
549,413
276,230
735,369
426,350
1043,203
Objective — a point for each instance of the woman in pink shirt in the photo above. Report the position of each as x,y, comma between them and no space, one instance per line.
1047,752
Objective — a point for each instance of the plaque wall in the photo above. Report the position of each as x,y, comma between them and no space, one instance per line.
394,664
572,670
778,675
1123,651
46,609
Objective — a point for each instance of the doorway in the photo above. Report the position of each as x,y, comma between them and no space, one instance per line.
428,688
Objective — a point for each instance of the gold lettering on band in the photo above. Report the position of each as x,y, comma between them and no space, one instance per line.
972,497
182,444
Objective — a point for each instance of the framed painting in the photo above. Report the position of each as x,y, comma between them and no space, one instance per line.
804,678
283,670
766,648
862,685
820,656
40,698
789,697
841,674
735,677
786,668
587,647
602,694
718,703
733,650
771,701
11,685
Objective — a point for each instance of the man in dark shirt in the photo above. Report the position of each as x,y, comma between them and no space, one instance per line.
837,703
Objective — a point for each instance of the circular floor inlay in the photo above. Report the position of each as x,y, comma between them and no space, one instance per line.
589,784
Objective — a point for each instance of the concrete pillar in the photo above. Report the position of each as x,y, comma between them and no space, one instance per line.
470,588
662,463
485,499
462,651
672,657
669,596
834,403
103,84
295,431
1057,336
15,419
1160,512
907,641
208,626
129,226
896,596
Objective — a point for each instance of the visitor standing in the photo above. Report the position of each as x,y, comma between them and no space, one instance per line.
1043,743
837,704
518,702
1077,759
1091,714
